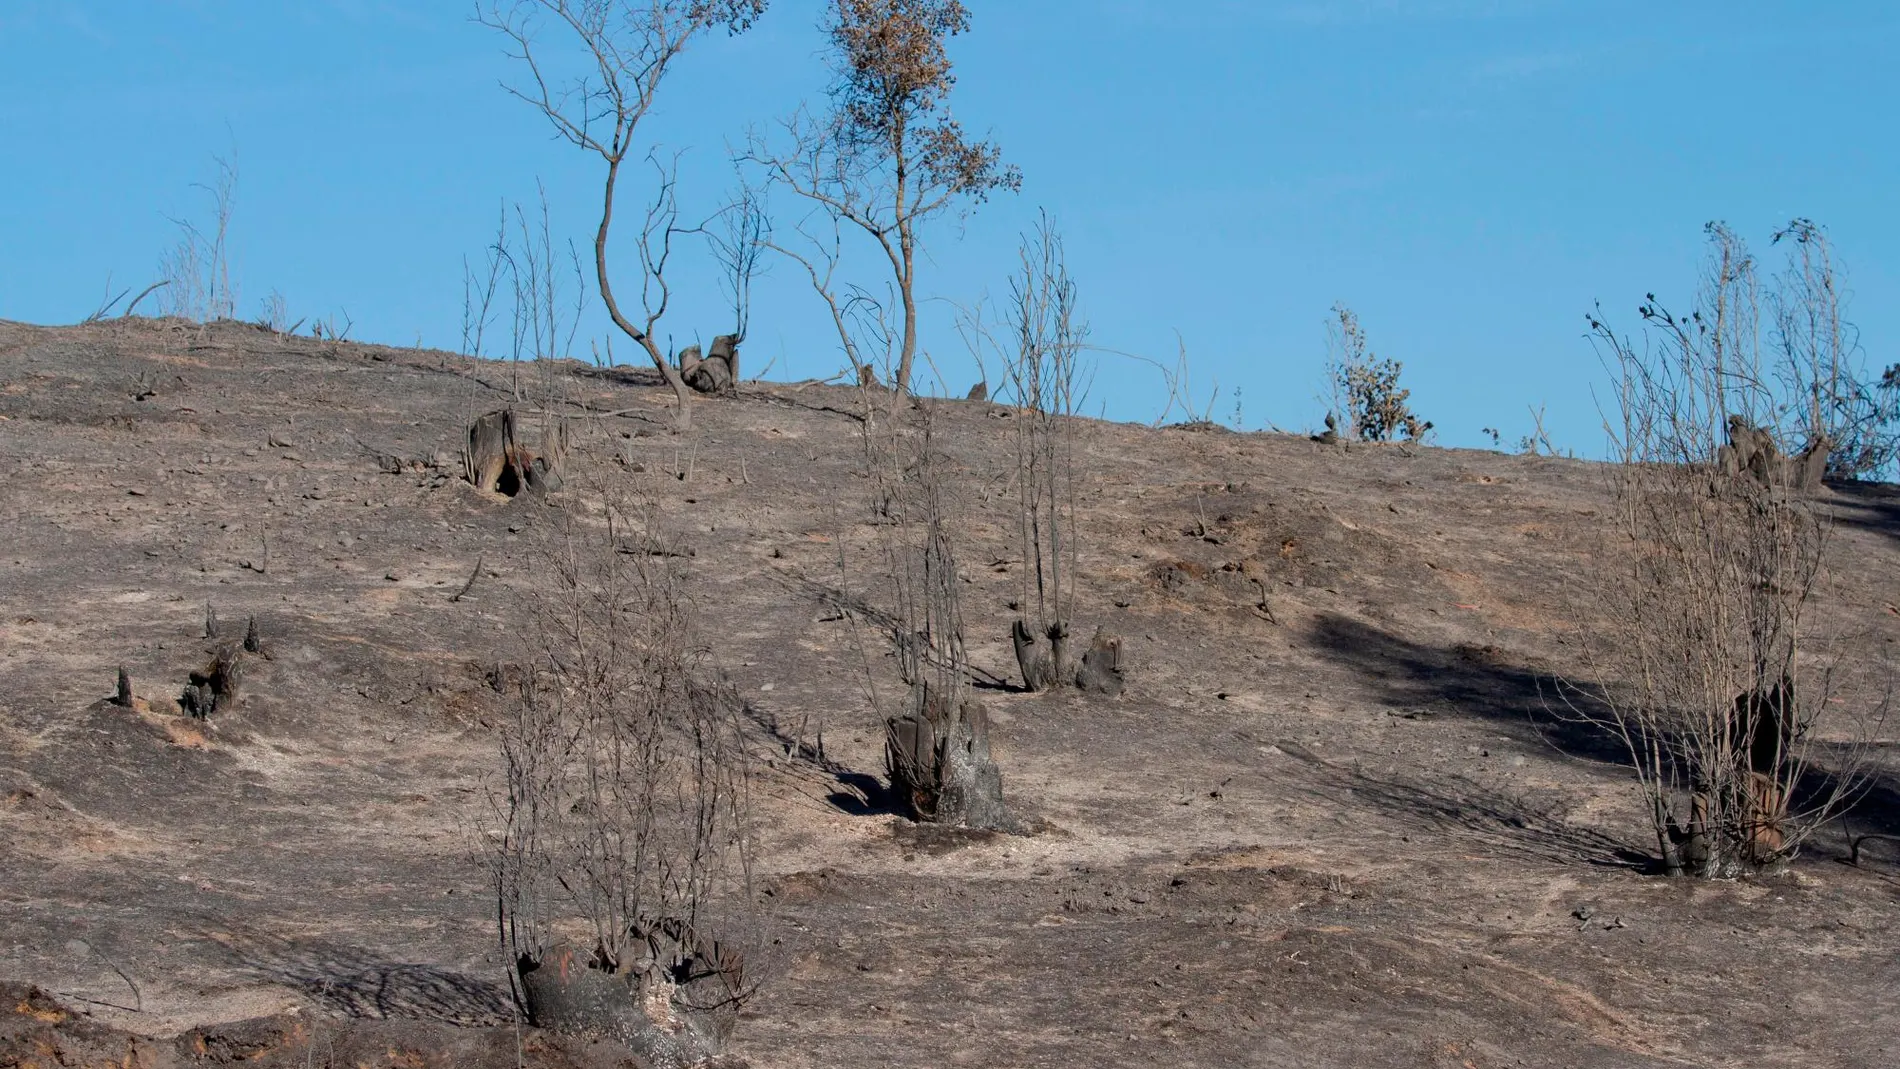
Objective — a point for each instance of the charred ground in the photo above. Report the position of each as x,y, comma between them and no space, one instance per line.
1331,822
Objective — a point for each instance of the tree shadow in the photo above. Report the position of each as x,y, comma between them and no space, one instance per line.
887,625
1465,810
1868,506
356,983
1876,808
1474,681
642,374
1866,825
1525,704
848,790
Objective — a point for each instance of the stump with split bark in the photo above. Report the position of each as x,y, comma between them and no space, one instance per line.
215,686
938,757
1041,657
498,459
717,371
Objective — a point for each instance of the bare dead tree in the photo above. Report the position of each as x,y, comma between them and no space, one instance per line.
624,799
478,289
106,304
1042,374
739,242
1715,670
1178,381
1821,366
888,156
629,48
542,318
820,251
937,749
540,308
196,273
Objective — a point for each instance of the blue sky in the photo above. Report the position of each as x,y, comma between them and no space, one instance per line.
1469,175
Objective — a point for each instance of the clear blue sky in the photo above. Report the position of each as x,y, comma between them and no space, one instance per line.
1469,175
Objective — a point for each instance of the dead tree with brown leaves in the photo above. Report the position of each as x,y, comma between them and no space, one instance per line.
629,47
888,156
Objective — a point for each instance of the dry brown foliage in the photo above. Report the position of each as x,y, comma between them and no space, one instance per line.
888,156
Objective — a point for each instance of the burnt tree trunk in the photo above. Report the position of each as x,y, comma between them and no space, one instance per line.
718,371
498,460
938,757
215,686
1807,469
1101,669
1041,657
675,1007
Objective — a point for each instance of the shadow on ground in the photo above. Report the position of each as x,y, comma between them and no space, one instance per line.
1868,506
859,794
1536,707
351,982
1473,681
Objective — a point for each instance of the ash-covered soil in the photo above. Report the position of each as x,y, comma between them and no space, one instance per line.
1333,822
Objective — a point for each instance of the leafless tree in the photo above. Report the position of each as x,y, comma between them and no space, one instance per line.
1820,364
623,803
542,318
937,737
629,48
738,243
1043,378
1714,666
937,748
479,289
196,273
541,309
888,156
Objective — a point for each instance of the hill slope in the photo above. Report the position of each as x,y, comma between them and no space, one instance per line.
1339,831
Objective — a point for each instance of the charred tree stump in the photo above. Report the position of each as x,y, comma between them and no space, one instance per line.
498,461
1329,436
213,687
1101,669
1040,656
675,1007
718,371
1806,469
938,757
